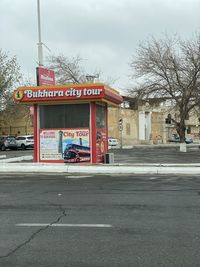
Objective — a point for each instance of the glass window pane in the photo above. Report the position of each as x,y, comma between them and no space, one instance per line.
64,116
100,116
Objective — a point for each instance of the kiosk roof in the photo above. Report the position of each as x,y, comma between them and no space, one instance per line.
67,93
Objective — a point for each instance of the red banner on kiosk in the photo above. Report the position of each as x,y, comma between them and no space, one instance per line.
59,93
66,93
45,76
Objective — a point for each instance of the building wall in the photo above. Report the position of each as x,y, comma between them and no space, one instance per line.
139,126
114,115
158,133
129,132
19,122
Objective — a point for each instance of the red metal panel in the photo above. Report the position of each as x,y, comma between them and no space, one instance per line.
113,96
35,123
93,131
106,129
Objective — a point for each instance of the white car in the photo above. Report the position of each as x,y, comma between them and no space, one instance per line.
113,141
25,141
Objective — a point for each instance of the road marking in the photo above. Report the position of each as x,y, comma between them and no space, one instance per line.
78,177
63,225
153,178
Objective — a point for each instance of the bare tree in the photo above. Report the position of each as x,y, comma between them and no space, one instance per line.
70,70
67,70
169,67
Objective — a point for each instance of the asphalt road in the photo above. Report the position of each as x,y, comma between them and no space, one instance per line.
67,220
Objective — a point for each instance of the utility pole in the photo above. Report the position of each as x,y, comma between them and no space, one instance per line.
120,125
40,51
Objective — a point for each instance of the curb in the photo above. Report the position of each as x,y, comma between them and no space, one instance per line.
99,169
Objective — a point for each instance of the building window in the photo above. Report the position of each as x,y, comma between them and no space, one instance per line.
100,116
188,130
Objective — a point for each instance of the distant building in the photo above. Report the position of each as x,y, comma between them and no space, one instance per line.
145,123
131,123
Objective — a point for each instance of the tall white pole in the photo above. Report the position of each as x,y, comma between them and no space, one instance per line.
40,51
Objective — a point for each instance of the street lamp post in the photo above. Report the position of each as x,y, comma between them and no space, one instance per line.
40,52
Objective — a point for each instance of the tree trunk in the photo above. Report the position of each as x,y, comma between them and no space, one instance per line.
180,128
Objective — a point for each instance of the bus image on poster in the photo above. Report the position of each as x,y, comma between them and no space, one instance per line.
75,153
68,145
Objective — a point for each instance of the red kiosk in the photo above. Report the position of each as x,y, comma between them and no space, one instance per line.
70,121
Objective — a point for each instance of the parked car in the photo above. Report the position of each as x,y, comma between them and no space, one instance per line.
176,139
25,141
112,141
7,142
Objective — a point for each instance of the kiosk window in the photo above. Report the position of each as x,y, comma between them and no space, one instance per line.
100,116
64,116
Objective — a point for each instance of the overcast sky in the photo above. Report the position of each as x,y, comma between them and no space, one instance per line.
105,33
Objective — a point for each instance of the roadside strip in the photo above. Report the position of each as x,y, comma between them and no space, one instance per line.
99,169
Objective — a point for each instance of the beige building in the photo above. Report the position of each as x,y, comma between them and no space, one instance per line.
141,124
145,123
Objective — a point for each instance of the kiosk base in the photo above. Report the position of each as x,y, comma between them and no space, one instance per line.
109,158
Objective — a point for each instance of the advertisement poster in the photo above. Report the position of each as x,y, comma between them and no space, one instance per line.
101,146
70,145
45,76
